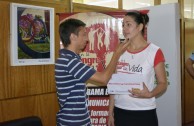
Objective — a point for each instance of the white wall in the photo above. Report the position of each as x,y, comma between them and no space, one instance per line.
164,31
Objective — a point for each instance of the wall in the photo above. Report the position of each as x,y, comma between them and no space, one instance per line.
27,90
164,31
89,8
188,81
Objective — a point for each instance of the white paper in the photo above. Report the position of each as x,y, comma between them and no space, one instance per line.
120,83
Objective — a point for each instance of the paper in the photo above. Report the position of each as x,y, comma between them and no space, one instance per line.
120,83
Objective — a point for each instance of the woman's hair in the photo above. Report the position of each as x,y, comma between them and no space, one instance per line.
68,27
139,18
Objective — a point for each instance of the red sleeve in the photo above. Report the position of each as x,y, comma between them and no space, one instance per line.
159,57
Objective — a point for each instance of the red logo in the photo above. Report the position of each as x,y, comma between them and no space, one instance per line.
102,42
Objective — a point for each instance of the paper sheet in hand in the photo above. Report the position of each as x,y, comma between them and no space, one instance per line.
120,83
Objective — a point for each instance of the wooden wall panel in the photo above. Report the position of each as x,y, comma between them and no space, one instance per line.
45,106
90,8
3,47
30,80
25,80
189,82
27,90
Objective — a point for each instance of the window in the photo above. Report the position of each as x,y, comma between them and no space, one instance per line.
168,1
131,4
188,8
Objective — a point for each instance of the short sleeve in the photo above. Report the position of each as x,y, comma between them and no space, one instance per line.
159,57
80,70
192,56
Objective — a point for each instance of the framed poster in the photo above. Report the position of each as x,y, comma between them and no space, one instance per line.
32,35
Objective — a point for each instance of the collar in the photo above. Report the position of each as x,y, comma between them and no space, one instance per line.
64,52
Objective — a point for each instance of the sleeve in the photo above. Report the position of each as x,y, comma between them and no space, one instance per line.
159,57
192,56
80,70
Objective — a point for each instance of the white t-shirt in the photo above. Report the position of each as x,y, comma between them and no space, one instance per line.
142,62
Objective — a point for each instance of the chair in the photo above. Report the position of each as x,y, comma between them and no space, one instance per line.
27,121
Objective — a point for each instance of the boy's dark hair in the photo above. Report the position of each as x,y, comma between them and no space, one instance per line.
139,18
67,27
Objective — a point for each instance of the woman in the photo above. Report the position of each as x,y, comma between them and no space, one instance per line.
142,57
189,65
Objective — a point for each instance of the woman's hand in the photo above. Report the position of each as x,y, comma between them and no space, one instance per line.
122,47
111,120
144,93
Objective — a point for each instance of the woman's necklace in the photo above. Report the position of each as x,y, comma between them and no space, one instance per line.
133,50
132,57
131,54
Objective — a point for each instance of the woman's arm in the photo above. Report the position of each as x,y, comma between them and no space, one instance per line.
161,80
159,89
111,111
189,67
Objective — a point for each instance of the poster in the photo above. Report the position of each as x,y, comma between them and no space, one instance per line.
32,35
98,105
